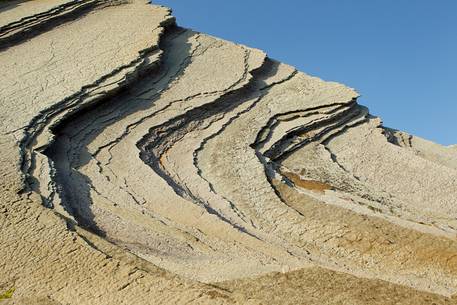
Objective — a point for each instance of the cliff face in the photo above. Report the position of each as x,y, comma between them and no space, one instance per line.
144,163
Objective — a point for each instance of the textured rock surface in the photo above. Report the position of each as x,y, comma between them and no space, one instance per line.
144,163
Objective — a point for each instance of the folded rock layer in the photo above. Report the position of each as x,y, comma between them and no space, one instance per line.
145,163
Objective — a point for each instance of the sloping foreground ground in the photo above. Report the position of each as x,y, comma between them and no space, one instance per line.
144,163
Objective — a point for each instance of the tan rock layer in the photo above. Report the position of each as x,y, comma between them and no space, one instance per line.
151,158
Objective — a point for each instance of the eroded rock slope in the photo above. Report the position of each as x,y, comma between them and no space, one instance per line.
144,163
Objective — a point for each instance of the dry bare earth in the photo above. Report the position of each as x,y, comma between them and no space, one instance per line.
143,163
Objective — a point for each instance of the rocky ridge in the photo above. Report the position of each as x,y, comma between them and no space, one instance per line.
145,163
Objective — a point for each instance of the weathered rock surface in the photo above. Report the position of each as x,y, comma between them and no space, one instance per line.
144,163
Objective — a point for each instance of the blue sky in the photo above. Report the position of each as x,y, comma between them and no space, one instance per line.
400,55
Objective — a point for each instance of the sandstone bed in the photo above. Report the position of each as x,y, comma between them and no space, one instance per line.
145,163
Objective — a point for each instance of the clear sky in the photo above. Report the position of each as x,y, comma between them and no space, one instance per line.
400,55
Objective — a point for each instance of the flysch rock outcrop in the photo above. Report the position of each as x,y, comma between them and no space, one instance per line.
145,163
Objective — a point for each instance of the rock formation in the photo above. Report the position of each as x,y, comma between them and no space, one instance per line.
145,163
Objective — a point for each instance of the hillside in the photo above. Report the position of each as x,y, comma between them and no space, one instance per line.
146,163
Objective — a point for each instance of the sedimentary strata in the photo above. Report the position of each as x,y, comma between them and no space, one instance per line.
145,163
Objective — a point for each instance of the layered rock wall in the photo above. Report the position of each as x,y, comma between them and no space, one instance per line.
145,163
